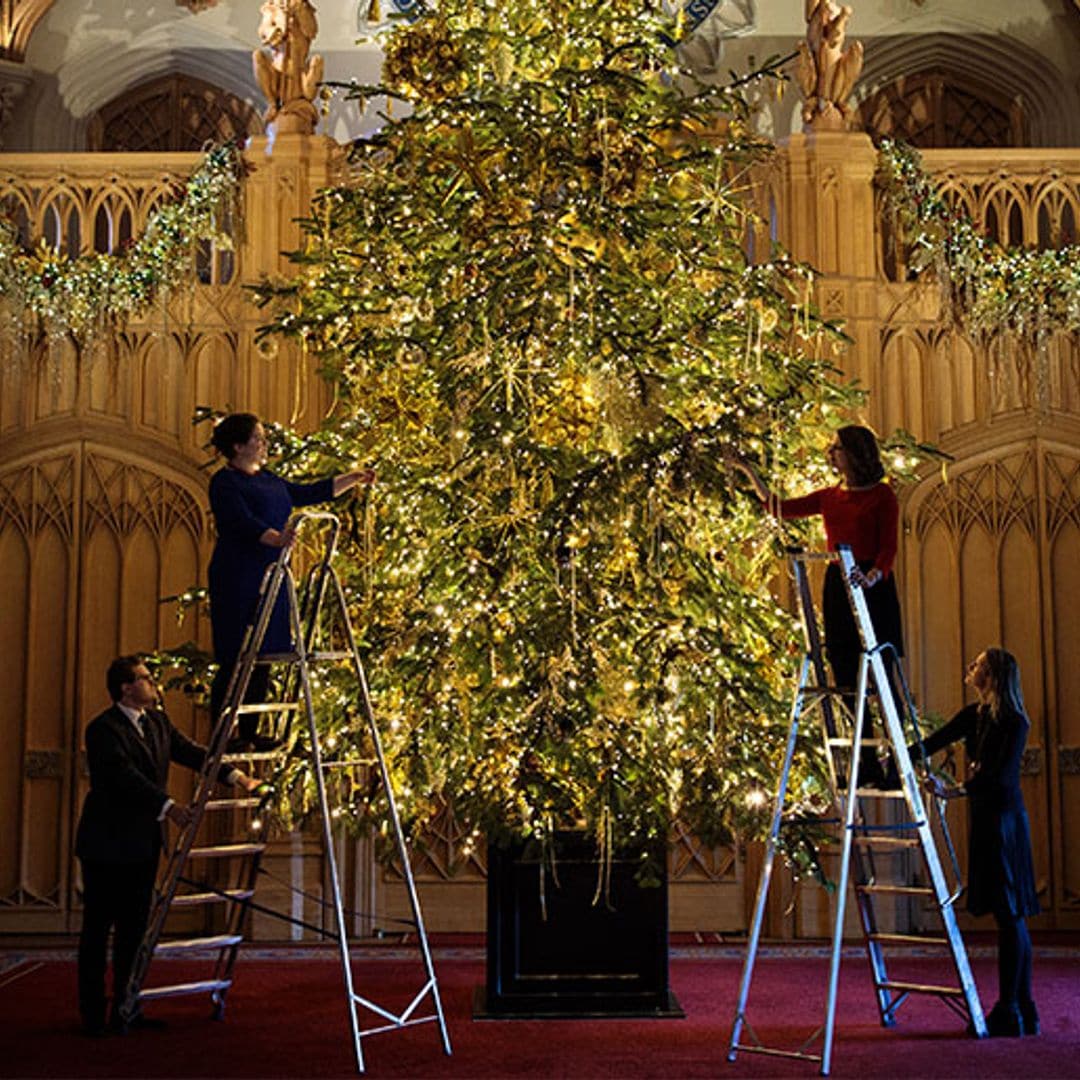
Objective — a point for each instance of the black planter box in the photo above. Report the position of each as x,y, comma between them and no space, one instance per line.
553,953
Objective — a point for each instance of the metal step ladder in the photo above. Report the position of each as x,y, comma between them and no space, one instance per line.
863,842
319,612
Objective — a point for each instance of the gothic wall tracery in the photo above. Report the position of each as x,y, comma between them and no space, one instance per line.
89,539
965,88
935,109
103,506
988,554
176,112
17,21
103,487
989,560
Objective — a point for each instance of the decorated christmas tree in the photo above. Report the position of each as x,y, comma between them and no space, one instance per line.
535,298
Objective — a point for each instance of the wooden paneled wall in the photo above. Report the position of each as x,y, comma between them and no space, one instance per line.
989,548
103,477
103,509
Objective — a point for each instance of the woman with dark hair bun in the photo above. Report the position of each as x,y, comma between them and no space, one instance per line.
863,513
1001,874
251,508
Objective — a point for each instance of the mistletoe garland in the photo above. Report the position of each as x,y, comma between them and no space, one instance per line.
44,292
986,288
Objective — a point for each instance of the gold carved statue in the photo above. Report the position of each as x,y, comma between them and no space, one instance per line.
288,76
826,71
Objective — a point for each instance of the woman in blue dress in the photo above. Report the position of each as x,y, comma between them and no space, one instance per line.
251,508
1001,875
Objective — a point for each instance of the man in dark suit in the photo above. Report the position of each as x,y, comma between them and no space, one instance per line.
128,748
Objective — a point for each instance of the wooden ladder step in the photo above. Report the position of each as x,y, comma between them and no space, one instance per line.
204,986
265,707
896,890
186,900
246,803
182,945
225,851
908,939
898,842
920,988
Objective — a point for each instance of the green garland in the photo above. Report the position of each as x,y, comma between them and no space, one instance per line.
986,288
44,292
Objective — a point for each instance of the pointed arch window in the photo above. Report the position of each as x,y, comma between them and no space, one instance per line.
937,110
176,112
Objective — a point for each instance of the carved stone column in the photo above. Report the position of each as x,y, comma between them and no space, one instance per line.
825,211
287,171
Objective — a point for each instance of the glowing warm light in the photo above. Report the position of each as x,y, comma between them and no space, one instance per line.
756,798
533,301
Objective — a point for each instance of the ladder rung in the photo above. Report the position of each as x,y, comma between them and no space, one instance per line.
218,941
878,793
225,851
152,993
200,898
330,654
800,554
267,707
253,755
232,804
883,828
887,841
352,763
908,939
921,988
773,1051
839,740
897,890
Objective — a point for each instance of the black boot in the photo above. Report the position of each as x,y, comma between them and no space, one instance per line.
1004,1021
1029,1015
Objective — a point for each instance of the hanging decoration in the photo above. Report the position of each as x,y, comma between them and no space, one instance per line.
43,292
534,302
986,289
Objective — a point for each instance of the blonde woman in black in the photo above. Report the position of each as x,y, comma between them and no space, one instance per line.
1001,875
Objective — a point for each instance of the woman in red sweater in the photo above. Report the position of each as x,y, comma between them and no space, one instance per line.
863,513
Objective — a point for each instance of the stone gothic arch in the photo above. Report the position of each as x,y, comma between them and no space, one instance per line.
175,112
991,555
89,532
972,84
17,21
937,109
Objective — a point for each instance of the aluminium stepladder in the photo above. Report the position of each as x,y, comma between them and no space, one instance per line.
323,596
861,838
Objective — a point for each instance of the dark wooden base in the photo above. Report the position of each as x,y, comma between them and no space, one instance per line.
552,952
569,1008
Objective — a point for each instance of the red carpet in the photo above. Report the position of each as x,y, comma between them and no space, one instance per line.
286,1018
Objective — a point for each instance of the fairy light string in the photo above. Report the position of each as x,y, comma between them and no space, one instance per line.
533,301
44,293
